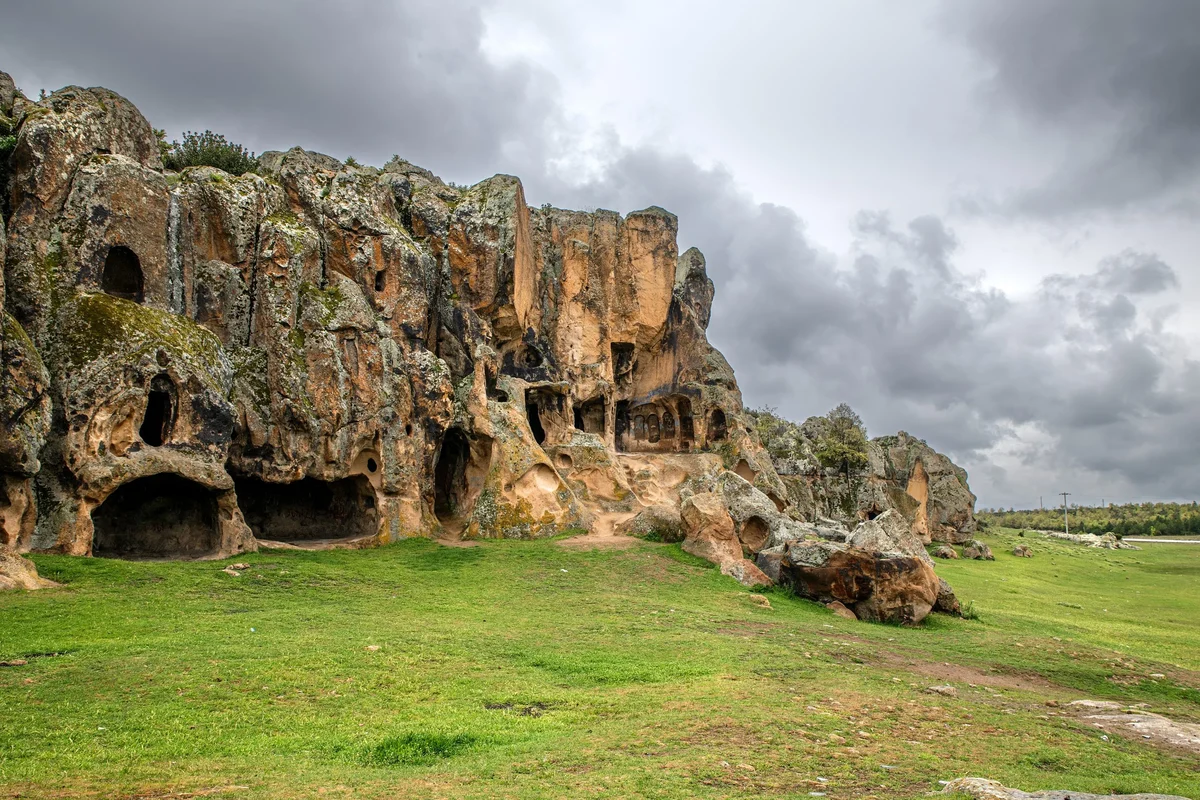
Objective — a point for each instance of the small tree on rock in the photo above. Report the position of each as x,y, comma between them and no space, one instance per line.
207,149
843,445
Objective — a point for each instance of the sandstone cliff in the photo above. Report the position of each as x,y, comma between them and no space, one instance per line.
196,362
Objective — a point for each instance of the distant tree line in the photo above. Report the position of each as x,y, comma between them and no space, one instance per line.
1131,519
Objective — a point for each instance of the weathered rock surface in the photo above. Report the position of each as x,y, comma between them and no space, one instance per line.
904,474
945,551
880,587
1022,551
1106,541
984,789
977,550
323,354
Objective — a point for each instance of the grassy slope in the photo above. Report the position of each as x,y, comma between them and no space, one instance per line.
521,669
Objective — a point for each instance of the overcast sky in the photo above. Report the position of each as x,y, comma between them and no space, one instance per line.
974,220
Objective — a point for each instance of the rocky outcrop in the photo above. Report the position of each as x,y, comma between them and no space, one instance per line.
904,474
323,354
196,362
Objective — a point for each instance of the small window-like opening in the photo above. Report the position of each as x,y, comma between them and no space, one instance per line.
372,465
535,417
589,416
687,429
564,461
380,278
639,427
122,275
408,429
622,361
668,425
531,357
652,432
716,428
160,412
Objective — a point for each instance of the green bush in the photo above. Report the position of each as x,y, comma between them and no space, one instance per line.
207,149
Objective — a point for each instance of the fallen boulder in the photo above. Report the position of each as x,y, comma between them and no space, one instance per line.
19,573
947,601
1022,551
977,550
945,551
875,587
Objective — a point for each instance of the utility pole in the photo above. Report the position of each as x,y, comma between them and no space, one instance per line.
1066,521
1041,505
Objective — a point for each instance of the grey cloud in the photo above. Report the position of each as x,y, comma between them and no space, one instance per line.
351,78
890,325
1120,81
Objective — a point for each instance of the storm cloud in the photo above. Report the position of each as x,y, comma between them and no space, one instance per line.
1081,378
1118,81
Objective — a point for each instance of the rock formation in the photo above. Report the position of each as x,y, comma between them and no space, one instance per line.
904,474
197,362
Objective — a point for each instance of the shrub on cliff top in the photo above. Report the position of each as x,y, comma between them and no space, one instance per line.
206,149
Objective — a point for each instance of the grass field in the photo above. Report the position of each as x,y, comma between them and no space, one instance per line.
525,669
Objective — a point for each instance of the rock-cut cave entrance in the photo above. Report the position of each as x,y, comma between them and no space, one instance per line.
308,510
159,418
156,517
450,487
122,276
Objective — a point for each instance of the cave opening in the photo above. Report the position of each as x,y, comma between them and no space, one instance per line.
622,362
159,418
450,475
534,414
380,280
687,429
159,516
589,416
717,427
122,276
308,509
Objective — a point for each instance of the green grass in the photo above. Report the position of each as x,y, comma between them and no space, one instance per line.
526,669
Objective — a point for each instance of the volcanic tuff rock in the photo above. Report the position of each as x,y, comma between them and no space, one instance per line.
196,362
904,474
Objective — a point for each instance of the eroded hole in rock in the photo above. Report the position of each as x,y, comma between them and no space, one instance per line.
668,425
754,534
716,426
308,509
743,469
450,486
564,461
159,418
589,416
653,434
156,517
534,414
687,428
622,362
531,358
372,465
779,504
621,419
122,276
380,280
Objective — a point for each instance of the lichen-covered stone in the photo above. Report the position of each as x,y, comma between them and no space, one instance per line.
328,351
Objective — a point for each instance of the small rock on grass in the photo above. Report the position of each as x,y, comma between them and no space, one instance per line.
945,690
841,610
760,600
